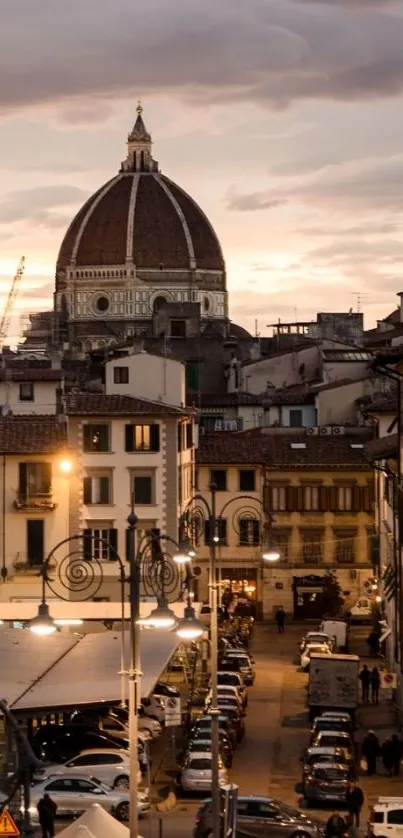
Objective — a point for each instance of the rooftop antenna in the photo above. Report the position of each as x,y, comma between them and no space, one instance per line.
359,298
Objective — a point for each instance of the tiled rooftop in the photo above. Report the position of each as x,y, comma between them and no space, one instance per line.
284,449
98,404
32,435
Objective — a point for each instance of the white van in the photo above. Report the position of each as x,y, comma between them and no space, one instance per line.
337,630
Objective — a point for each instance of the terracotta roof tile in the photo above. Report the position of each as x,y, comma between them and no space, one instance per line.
98,404
32,435
275,449
28,374
386,446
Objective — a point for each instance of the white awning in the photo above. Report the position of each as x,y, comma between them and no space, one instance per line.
385,634
65,670
23,610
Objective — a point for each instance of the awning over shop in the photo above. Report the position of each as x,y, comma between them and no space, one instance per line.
23,610
70,670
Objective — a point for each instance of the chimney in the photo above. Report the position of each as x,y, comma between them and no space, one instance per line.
400,294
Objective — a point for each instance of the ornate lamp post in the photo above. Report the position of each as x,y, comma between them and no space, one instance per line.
79,576
200,511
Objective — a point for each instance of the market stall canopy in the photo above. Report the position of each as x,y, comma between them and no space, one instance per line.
65,670
95,823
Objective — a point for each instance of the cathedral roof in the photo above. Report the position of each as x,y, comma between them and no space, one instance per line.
143,219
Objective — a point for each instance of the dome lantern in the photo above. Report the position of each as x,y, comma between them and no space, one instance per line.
139,147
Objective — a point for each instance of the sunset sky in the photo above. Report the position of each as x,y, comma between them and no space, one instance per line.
282,118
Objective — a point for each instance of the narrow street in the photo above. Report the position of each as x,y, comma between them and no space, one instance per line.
268,761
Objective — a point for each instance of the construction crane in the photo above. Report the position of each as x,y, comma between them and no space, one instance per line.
6,318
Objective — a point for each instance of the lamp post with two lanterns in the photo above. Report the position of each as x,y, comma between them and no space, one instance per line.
200,511
80,574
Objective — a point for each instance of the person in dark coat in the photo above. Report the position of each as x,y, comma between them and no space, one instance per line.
370,749
280,619
365,678
355,801
375,684
373,643
335,826
396,754
47,812
387,756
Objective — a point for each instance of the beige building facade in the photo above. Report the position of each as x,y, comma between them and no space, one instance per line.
319,497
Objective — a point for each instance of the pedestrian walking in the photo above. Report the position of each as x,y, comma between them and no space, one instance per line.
352,830
365,678
280,619
387,756
335,826
355,801
375,684
47,811
370,750
396,754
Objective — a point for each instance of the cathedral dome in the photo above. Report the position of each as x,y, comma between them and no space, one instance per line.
141,223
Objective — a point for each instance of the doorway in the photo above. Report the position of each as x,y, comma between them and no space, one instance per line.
35,542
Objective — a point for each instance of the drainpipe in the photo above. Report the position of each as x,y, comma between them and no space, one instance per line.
4,571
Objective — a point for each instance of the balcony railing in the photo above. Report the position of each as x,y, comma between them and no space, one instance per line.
34,500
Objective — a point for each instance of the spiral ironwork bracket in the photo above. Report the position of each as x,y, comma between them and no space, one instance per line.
75,568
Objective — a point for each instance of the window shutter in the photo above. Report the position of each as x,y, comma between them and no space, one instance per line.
87,493
87,546
256,531
104,489
243,531
368,497
155,437
113,541
333,498
87,437
291,499
129,433
23,479
179,431
222,530
300,498
47,477
356,499
268,498
323,498
207,532
104,437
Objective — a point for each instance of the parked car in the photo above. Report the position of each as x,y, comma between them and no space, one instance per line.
326,782
75,794
228,690
110,725
361,611
336,714
335,739
204,723
386,818
262,817
313,637
154,708
233,679
229,701
166,690
201,734
330,723
244,664
235,718
110,767
145,723
318,755
58,743
312,650
200,745
196,774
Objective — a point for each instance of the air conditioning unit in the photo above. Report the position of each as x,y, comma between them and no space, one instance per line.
312,431
338,430
325,430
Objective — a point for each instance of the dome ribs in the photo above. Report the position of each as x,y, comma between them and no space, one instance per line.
103,242
205,243
159,238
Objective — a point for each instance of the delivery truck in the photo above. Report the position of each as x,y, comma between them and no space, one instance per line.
333,684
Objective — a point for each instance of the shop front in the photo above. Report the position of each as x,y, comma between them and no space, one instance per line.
308,597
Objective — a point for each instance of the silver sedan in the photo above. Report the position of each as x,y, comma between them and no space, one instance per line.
74,794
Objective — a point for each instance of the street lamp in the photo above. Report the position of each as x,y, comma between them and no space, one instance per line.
270,553
76,573
190,628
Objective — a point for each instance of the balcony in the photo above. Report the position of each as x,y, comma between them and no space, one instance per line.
40,501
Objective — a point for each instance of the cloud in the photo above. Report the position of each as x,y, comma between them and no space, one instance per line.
375,228
268,51
358,251
38,205
84,114
374,185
